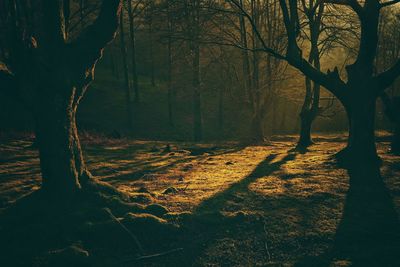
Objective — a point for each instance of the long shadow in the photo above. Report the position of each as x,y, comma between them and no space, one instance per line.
265,168
146,169
207,223
369,231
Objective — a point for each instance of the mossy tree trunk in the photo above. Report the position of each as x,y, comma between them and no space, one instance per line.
50,74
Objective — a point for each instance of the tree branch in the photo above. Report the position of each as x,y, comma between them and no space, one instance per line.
87,48
330,81
353,4
7,79
386,78
389,3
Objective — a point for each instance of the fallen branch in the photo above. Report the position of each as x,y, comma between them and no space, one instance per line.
135,239
146,257
159,254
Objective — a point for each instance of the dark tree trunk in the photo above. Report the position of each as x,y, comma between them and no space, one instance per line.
361,147
62,165
197,116
221,110
170,70
257,128
245,58
51,85
128,97
114,65
395,144
306,120
152,75
170,87
133,47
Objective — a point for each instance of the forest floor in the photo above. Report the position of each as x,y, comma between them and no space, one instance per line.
235,205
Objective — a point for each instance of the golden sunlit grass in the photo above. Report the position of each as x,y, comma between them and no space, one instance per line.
245,206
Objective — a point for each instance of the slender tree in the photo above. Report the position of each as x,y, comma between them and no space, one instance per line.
127,85
310,108
133,50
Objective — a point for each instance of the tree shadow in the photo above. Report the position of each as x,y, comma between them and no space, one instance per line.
207,223
369,231
139,170
265,168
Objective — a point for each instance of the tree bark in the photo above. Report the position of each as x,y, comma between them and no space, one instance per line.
306,120
197,116
133,47
361,147
170,68
128,96
152,75
221,110
62,165
257,128
51,75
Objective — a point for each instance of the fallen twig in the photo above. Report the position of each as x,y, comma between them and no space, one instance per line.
135,239
146,257
266,238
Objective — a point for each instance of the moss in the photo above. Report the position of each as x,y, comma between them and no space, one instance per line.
142,198
170,190
73,255
156,209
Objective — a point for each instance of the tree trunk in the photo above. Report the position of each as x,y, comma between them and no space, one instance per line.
62,165
170,88
133,47
153,81
245,58
126,76
197,116
170,70
257,128
221,110
306,119
361,147
395,144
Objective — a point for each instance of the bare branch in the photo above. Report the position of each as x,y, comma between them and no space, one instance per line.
389,3
353,4
386,78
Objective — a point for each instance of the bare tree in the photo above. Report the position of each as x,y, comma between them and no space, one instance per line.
359,92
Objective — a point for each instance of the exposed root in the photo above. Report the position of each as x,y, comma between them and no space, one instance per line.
54,229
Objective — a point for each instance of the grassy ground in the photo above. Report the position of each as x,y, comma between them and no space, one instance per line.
234,205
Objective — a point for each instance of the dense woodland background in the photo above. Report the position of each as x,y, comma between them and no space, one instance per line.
158,54
199,70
